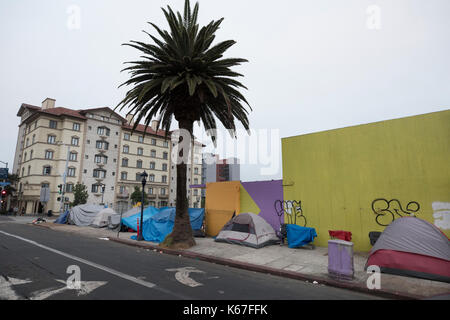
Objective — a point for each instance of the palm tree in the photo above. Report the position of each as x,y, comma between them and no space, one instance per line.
183,75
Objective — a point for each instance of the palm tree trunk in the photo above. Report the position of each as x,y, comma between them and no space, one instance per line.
181,236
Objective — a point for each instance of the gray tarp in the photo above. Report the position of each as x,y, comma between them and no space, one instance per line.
83,215
414,235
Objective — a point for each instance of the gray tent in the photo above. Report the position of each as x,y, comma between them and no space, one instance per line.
83,215
411,246
248,229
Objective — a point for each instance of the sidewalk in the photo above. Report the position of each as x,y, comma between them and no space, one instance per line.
302,264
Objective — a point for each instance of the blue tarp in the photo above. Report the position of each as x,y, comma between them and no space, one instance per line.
298,236
131,221
62,219
158,225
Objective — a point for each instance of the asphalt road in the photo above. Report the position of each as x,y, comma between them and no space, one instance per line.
36,263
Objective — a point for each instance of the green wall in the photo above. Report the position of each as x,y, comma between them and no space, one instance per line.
337,174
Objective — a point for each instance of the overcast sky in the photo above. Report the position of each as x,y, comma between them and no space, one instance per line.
313,65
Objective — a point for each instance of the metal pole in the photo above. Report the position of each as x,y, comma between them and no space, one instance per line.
140,237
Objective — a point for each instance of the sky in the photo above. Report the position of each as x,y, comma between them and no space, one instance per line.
313,65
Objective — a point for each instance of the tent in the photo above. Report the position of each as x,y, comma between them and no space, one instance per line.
62,219
248,229
102,218
411,246
129,219
83,215
159,225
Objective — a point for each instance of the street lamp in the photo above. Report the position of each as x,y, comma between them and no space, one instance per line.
103,192
144,176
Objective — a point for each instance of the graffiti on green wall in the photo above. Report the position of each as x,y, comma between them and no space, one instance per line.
292,210
387,211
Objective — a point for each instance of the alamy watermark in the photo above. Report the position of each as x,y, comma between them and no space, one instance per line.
373,21
74,17
260,147
374,280
74,280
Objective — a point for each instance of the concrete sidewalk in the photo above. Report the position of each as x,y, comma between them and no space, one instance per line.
302,264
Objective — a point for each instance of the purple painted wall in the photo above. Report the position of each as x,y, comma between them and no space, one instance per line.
264,194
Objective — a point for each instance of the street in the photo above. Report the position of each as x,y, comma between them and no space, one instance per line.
37,264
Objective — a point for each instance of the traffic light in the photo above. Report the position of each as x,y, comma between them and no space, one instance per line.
3,193
60,189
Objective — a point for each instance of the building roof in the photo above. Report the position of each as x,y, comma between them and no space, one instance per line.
149,130
84,111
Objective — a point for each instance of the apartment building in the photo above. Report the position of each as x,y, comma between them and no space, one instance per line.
96,147
50,140
146,149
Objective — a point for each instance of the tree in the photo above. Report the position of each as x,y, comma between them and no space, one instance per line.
80,194
136,196
183,76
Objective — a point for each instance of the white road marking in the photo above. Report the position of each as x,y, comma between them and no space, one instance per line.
6,292
182,275
89,263
86,288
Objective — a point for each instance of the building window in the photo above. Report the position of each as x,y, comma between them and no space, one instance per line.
151,178
29,170
124,162
69,187
164,166
75,141
150,190
76,126
101,131
102,145
138,176
48,154
163,191
31,154
73,156
195,192
122,189
95,188
152,165
53,124
126,136
23,171
140,151
195,181
99,173
101,158
166,144
139,163
25,157
141,139
71,172
126,149
165,155
33,139
154,142
28,142
51,139
164,179
124,176
153,153
47,170
195,170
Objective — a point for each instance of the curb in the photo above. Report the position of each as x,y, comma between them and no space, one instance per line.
277,272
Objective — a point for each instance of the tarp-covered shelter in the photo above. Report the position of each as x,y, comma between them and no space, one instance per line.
83,215
411,246
248,229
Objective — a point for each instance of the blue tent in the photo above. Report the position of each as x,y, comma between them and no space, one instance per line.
62,219
131,221
160,224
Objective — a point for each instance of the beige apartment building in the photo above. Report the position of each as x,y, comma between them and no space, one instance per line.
95,147
146,149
